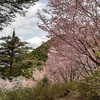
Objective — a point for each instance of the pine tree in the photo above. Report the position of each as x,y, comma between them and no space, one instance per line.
13,56
9,9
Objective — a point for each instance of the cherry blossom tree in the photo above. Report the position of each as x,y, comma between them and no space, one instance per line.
77,23
58,67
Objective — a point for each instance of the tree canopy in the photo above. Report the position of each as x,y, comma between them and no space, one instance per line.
77,24
9,9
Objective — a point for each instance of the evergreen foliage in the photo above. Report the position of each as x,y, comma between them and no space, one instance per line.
40,53
9,9
13,56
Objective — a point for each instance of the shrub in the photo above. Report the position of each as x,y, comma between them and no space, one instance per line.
89,87
18,94
2,95
72,86
46,91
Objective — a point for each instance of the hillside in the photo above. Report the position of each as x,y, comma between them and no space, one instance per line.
39,55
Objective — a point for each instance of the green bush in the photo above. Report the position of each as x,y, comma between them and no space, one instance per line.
72,86
46,91
43,91
3,96
89,87
16,94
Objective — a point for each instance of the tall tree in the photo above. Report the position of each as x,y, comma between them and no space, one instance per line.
13,55
9,9
79,21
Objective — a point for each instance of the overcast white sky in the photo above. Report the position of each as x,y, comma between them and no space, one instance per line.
26,27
